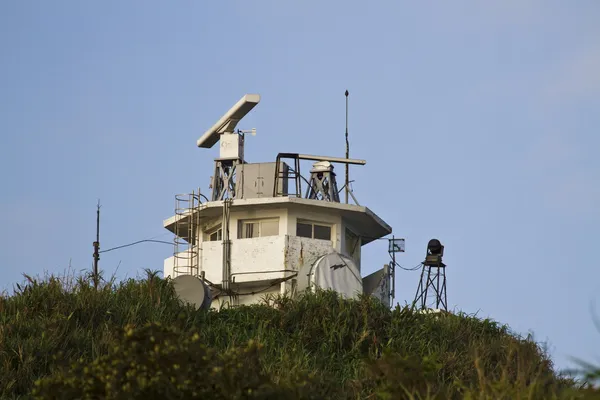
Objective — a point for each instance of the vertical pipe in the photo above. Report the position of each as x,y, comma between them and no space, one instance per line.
347,151
392,272
226,246
276,185
97,247
298,178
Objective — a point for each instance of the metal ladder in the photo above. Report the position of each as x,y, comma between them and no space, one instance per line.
187,218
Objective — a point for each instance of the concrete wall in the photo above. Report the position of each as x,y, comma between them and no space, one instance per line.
264,258
168,267
258,259
251,259
300,251
259,256
256,262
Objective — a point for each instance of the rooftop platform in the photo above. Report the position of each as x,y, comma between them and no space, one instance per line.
371,226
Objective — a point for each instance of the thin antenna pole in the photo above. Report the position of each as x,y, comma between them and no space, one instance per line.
347,151
97,247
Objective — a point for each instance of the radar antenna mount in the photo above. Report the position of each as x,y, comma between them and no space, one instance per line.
231,147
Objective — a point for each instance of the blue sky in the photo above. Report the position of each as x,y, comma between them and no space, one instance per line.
478,120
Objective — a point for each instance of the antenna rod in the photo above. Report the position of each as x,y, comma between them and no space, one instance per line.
347,150
97,247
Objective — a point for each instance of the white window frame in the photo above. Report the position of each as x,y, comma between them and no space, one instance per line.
215,229
242,223
312,224
355,255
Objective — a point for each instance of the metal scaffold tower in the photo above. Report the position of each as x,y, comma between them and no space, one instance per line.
431,292
186,256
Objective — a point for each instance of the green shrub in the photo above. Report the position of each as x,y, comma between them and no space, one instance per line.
154,361
70,316
340,349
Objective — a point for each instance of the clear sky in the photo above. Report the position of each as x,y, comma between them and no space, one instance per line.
479,122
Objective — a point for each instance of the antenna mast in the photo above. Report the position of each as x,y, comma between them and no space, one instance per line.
347,151
96,245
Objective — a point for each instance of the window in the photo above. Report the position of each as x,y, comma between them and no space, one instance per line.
313,231
258,228
322,232
214,234
352,245
304,230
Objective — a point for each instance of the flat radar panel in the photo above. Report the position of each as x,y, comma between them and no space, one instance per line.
228,121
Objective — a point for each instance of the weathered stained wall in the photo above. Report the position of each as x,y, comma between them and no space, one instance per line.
263,258
257,262
300,250
251,259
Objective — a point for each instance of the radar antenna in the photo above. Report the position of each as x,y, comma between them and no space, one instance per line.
231,148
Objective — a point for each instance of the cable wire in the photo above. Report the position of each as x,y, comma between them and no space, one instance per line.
416,267
231,292
134,243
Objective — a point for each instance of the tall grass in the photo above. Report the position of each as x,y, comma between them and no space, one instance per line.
352,349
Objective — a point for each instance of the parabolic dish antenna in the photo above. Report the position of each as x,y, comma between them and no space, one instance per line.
190,289
332,271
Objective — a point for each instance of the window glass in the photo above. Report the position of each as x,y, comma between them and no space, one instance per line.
269,228
322,232
304,230
215,235
249,230
257,228
352,244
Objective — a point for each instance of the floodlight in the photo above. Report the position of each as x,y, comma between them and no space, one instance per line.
228,121
435,251
434,247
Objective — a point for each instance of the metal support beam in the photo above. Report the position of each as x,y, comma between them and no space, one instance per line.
322,158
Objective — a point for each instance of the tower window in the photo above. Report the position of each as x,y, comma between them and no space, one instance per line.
313,230
258,228
352,246
215,234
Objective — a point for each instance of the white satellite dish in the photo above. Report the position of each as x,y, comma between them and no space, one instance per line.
228,121
190,289
331,271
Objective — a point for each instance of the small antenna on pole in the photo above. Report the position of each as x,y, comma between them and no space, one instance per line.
96,247
347,151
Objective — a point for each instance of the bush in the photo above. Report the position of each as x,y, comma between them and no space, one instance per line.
135,338
154,361
69,316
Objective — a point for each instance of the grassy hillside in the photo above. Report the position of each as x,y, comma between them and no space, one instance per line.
60,338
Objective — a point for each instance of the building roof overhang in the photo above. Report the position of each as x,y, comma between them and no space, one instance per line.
370,226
